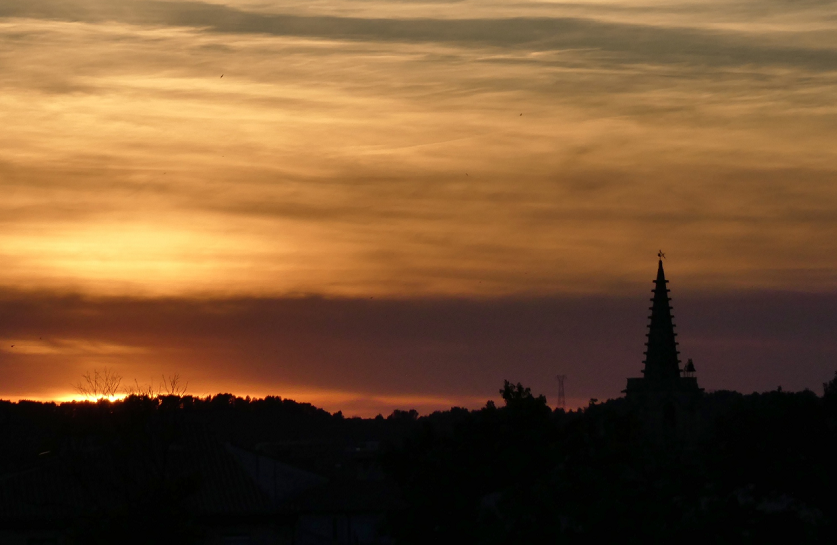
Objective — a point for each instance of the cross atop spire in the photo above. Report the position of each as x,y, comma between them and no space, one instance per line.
661,255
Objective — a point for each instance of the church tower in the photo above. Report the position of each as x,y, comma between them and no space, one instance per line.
663,382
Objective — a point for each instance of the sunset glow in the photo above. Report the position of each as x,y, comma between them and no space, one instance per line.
310,199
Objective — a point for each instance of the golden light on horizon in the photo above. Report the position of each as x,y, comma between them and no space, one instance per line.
410,151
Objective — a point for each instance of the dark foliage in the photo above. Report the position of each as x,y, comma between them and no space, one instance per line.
753,468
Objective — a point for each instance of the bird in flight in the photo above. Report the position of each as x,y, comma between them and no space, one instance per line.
222,75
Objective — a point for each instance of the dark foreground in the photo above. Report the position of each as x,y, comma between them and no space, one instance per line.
749,469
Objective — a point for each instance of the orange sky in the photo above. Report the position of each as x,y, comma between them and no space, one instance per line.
406,150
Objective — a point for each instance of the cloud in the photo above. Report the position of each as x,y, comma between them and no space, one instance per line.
382,354
70,348
635,42
497,176
348,153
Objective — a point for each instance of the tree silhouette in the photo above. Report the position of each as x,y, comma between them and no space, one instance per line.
516,396
99,384
171,385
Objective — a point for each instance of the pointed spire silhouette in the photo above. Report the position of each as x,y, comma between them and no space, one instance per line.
664,386
661,357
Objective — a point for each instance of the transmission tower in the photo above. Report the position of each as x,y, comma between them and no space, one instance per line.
562,402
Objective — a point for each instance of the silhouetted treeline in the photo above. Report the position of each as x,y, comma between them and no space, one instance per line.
755,468
31,428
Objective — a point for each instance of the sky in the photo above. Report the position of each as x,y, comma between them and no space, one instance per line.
371,205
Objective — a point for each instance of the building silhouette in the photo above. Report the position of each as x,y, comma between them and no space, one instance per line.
666,393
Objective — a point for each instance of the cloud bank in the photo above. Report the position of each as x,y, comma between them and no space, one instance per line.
365,356
413,148
309,155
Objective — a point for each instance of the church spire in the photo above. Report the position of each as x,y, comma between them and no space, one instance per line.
663,389
661,361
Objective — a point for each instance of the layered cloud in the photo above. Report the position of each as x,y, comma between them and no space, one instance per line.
369,147
412,151
365,356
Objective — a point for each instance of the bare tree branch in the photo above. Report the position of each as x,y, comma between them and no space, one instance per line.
141,391
172,385
99,384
